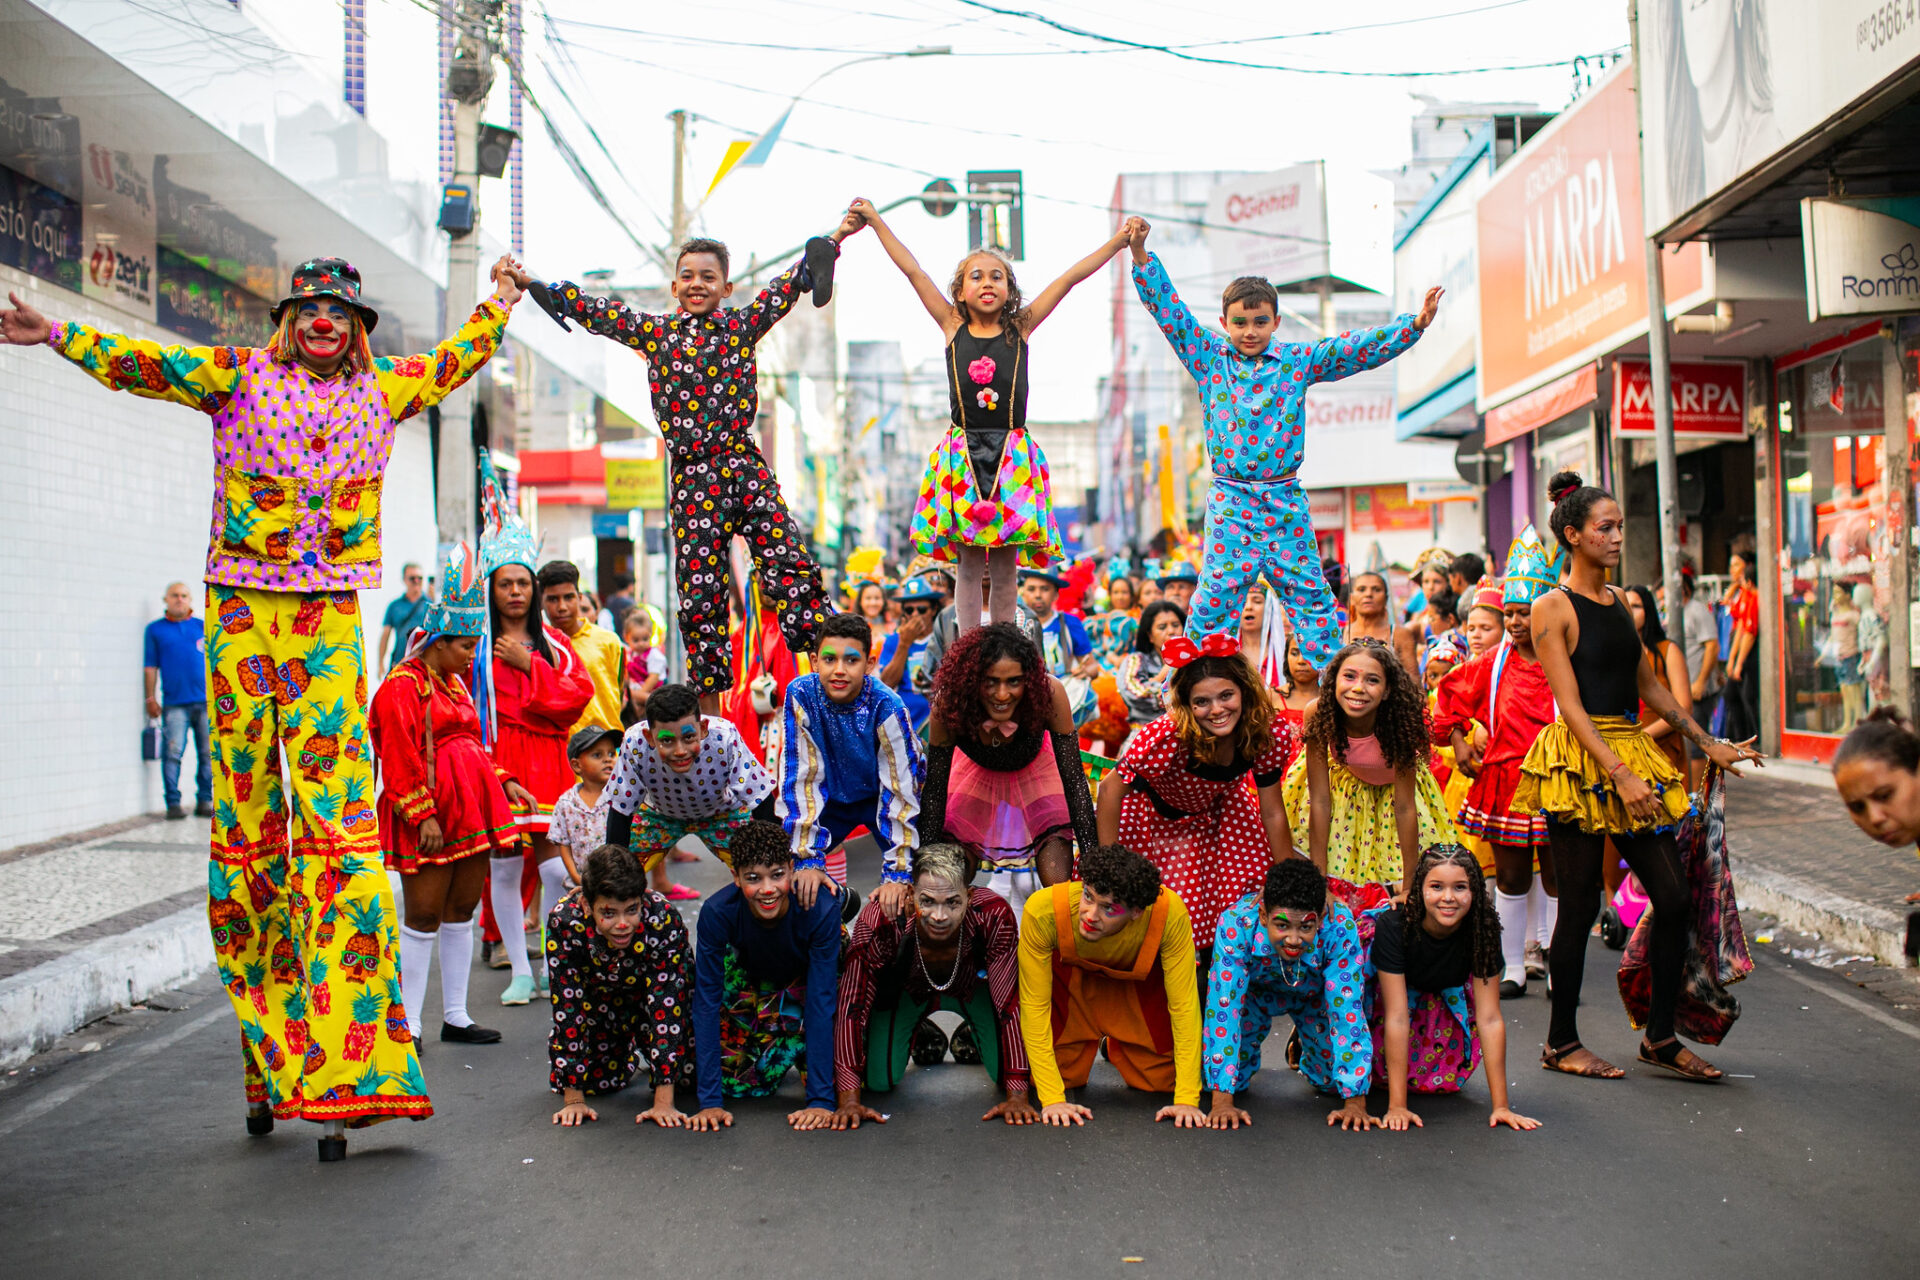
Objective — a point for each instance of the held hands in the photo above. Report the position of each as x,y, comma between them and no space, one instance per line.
1431,309
862,211
514,654
23,326
850,222
510,279
1135,230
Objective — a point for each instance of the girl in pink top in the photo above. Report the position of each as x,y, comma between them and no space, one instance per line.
1362,788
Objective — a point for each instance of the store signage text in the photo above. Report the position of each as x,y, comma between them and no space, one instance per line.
1708,399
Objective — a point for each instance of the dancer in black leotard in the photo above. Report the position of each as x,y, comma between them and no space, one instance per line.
1595,773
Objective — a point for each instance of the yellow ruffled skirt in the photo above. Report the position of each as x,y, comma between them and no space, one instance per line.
1558,778
1363,843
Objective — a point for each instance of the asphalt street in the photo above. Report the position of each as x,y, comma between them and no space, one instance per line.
126,1152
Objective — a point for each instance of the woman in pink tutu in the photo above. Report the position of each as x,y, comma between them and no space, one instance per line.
1014,796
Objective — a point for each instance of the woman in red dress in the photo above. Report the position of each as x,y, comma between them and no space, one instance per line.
444,805
1181,795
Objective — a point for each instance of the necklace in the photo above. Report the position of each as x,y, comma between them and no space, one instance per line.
1289,973
959,954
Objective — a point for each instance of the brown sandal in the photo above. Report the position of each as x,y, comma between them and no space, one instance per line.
1684,1063
1598,1069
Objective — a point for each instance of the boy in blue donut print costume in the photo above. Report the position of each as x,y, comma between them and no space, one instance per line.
1253,391
1288,948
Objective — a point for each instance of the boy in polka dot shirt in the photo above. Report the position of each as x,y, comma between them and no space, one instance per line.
681,773
1253,390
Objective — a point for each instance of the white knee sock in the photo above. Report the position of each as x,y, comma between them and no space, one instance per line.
1513,933
456,965
509,914
416,962
1546,913
553,883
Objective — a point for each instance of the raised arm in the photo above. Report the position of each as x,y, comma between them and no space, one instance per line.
1196,347
1042,307
937,303
1342,355
201,378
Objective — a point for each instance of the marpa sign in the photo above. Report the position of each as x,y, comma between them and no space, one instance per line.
1863,255
1708,399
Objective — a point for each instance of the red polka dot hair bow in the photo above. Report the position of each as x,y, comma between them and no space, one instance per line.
1180,650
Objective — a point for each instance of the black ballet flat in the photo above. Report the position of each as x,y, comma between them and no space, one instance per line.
929,1044
820,256
1511,990
474,1034
332,1149
964,1047
259,1121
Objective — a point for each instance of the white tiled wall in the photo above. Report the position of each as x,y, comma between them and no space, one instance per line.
104,499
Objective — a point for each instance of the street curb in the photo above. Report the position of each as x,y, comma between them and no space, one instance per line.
1848,925
49,1000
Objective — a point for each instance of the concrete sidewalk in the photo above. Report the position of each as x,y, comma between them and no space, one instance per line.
98,924
1797,855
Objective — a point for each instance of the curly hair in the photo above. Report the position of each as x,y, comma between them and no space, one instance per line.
1253,736
1014,320
1296,884
612,874
759,844
1573,501
1400,726
957,703
1117,872
1482,923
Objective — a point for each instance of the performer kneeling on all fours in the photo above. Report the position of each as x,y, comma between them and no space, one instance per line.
1288,949
1428,1032
954,950
620,968
1014,795
1596,774
444,805
1362,787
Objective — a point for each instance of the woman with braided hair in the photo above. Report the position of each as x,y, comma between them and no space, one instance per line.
1015,797
1429,954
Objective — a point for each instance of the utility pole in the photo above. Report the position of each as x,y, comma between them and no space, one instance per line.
1666,464
680,217
469,81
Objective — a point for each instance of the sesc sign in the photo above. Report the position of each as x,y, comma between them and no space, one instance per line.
1863,255
1708,399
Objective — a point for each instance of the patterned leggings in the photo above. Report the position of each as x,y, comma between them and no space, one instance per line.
715,497
1256,528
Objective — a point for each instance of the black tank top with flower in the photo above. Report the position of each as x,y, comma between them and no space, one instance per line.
987,383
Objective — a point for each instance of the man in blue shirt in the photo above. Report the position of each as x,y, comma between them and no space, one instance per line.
903,658
1065,646
405,613
176,677
766,985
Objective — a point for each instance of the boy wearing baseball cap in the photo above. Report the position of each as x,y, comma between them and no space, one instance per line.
579,823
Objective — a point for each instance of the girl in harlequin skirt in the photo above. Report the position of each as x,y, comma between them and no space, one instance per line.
1362,788
987,501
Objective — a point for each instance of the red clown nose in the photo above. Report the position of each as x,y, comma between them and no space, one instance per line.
322,325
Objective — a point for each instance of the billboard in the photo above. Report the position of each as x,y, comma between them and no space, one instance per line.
117,236
1560,242
1732,84
39,230
1440,251
1861,255
1709,400
1277,224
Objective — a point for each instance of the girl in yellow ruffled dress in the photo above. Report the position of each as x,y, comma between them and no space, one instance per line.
1362,789
1596,774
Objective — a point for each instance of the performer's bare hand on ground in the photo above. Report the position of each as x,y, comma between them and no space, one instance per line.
509,279
1015,1110
667,1117
23,326
1224,1115
575,1113
812,1118
1065,1113
1353,1116
1399,1119
1431,309
710,1120
852,1111
1183,1116
808,884
1512,1119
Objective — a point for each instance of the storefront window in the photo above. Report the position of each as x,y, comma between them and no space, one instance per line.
1834,579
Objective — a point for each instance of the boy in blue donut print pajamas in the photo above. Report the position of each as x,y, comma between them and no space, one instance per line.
1253,392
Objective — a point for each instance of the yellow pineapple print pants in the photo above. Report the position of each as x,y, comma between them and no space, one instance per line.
302,916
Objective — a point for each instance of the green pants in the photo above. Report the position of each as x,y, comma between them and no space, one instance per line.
890,1033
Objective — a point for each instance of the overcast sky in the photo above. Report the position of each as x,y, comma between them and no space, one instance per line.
1071,111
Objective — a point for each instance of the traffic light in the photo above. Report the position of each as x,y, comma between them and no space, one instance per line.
996,223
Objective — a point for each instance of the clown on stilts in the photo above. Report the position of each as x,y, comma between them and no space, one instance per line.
299,904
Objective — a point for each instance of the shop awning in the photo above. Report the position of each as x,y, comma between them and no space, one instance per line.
1450,399
1543,404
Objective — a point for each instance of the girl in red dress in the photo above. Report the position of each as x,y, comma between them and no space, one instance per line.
444,805
1197,792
